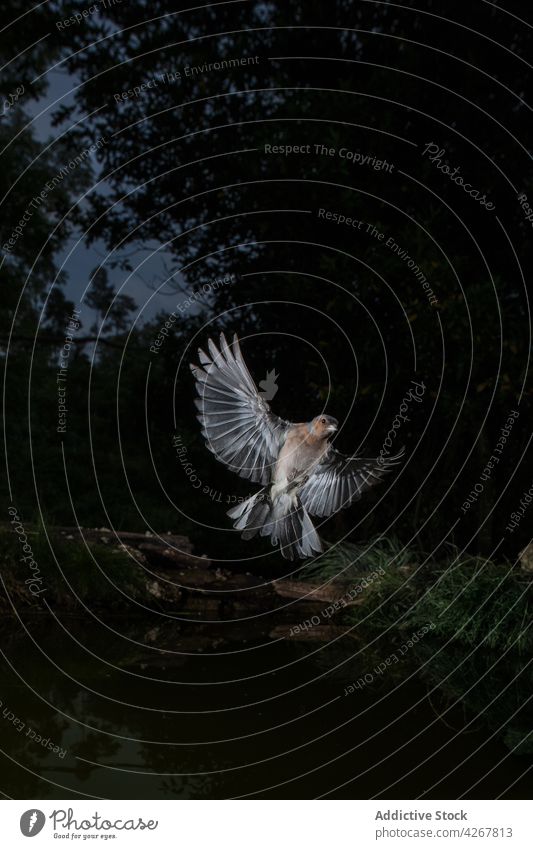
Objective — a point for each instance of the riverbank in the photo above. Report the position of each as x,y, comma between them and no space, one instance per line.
380,586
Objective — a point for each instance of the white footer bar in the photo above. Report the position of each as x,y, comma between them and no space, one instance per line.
267,824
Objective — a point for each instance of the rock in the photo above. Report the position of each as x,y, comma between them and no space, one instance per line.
526,558
164,591
134,553
155,589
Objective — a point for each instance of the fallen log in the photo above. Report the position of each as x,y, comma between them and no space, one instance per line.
170,557
317,633
333,592
106,536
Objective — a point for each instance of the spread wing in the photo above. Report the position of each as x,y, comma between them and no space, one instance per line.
237,423
339,480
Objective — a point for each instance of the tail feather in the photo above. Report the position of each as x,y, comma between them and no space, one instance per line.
250,514
256,518
285,520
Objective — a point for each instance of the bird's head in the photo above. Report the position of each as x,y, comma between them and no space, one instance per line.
324,426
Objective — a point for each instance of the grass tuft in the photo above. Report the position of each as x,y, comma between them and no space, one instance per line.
470,600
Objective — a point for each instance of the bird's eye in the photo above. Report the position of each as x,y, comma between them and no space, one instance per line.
323,421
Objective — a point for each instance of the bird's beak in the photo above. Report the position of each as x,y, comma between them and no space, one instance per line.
332,428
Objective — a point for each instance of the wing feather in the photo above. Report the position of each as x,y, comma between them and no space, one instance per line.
340,480
237,423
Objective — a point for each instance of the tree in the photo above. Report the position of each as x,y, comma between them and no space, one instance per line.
112,310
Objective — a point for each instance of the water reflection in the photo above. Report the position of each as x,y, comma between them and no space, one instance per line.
180,710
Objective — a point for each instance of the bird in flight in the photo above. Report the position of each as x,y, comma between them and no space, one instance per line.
299,469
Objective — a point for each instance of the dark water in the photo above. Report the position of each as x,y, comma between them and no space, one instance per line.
144,714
